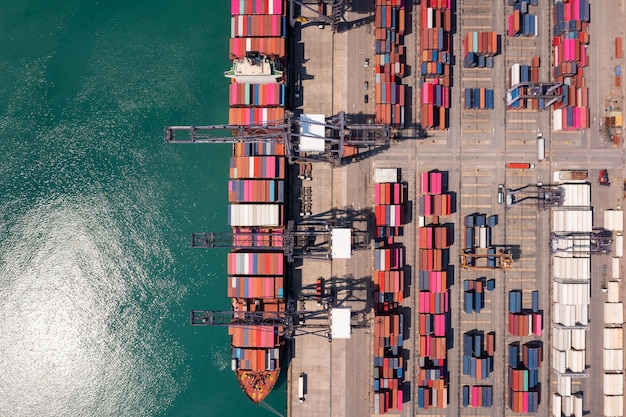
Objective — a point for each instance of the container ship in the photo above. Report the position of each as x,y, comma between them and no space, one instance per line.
256,193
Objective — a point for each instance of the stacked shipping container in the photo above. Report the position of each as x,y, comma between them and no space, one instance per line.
479,98
478,354
436,62
479,48
388,280
434,199
434,241
523,322
256,192
388,362
520,22
571,38
474,294
389,62
477,396
257,27
571,274
389,208
523,380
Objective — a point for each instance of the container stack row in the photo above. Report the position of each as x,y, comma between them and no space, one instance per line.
474,294
613,346
521,22
389,62
388,284
570,43
479,98
262,95
477,396
479,48
523,322
256,190
258,30
478,349
571,285
436,22
434,199
434,240
265,35
389,208
524,386
388,363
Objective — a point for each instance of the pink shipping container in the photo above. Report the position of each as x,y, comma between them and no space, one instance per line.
270,46
256,7
255,263
440,325
257,25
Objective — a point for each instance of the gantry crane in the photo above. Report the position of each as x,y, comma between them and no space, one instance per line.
502,260
291,322
303,240
338,132
597,242
547,91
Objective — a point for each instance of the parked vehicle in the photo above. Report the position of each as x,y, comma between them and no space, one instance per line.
519,165
603,178
301,381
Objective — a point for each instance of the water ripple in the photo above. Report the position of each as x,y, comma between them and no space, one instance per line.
81,320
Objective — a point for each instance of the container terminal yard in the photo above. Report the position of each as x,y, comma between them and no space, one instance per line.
427,206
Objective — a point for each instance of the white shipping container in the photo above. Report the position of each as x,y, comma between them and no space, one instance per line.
482,237
572,220
613,360
578,339
515,74
556,405
564,385
384,175
576,360
557,119
614,384
541,149
619,245
577,195
613,313
615,269
561,338
559,360
614,405
250,215
614,220
613,338
567,405
571,268
578,404
613,291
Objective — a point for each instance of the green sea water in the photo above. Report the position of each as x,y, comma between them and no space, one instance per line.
96,274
